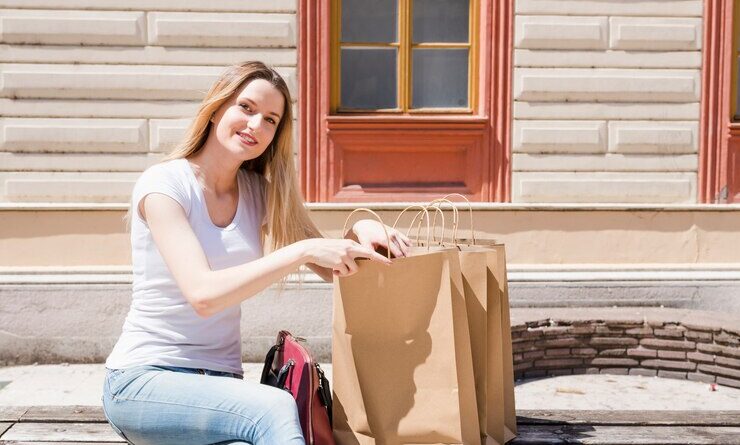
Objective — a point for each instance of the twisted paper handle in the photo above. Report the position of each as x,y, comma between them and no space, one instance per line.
470,208
362,209
426,214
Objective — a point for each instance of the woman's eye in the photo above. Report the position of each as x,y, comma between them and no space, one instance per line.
271,121
246,107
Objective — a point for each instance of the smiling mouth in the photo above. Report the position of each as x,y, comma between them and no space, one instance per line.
247,139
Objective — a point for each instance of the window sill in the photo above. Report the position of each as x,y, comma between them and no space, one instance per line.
407,121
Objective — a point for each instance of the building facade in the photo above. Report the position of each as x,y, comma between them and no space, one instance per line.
597,139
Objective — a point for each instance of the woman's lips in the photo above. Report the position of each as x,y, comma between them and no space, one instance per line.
247,139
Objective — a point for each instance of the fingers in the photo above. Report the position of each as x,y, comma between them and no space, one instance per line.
346,268
341,270
359,251
403,238
397,239
396,249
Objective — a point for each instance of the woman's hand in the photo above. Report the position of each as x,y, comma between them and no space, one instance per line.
369,233
339,254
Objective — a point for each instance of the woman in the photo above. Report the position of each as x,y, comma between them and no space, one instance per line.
198,223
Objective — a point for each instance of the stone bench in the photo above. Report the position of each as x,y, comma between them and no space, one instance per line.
77,425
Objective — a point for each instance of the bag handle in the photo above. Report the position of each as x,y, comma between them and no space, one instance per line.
418,227
380,220
269,360
455,218
470,208
426,213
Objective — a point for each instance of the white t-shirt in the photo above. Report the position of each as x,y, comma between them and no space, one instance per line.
162,328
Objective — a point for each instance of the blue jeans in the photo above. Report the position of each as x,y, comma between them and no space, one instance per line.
167,405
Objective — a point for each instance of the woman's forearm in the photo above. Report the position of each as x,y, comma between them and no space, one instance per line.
221,289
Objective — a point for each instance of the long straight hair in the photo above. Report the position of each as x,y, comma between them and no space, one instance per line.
287,218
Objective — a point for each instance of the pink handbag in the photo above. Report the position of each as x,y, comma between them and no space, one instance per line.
289,366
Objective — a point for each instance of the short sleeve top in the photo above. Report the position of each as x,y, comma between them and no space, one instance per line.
161,327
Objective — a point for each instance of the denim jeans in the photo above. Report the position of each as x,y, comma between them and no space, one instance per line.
167,405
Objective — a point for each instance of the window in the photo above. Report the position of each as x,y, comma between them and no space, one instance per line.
404,56
389,84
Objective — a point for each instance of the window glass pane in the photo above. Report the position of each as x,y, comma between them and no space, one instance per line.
366,21
440,21
440,78
368,78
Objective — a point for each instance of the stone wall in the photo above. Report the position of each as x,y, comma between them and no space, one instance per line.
606,100
92,92
698,347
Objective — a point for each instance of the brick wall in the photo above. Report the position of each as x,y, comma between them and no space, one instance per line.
606,100
94,91
680,350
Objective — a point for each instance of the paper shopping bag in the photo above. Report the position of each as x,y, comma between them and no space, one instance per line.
483,266
402,363
486,296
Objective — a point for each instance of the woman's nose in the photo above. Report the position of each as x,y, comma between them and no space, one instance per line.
254,122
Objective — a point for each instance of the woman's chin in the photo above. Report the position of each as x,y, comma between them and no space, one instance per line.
249,153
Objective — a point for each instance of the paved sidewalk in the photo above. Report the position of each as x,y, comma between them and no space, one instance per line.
59,385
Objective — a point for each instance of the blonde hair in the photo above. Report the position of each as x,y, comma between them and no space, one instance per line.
287,218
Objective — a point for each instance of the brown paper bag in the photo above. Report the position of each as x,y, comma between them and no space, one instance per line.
402,366
483,266
498,390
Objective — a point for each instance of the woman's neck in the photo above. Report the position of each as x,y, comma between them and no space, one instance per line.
215,173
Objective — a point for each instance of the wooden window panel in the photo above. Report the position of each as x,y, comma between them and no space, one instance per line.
405,156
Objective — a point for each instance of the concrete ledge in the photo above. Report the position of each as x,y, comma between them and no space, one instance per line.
76,317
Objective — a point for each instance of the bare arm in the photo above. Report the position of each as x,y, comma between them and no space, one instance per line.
210,291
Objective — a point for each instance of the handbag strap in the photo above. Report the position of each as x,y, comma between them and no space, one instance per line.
269,360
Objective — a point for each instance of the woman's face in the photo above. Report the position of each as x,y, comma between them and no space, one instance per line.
246,125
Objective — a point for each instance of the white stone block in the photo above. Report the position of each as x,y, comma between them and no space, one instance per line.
674,8
604,163
561,32
76,162
649,33
611,110
97,108
54,27
606,59
653,137
73,135
113,81
147,55
216,29
606,85
559,136
158,5
95,187
165,134
107,81
609,187
102,108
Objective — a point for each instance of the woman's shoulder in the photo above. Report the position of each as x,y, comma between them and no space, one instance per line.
167,177
171,171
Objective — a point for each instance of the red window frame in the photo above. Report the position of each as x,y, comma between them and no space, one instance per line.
719,150
332,146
